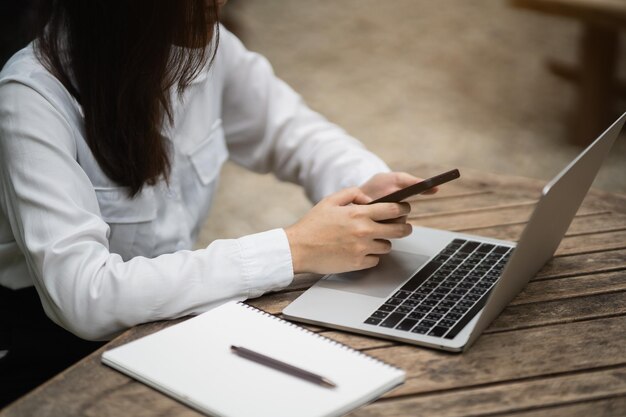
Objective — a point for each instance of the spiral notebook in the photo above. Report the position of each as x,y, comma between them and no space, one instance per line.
193,363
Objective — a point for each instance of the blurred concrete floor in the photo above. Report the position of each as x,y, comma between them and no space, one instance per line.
460,83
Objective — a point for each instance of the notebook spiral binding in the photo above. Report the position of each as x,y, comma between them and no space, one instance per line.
331,341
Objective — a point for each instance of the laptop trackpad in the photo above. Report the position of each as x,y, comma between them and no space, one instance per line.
393,269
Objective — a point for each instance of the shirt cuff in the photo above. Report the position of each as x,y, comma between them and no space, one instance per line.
267,263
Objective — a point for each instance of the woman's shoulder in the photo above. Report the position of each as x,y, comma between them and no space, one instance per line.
24,74
230,50
25,68
22,60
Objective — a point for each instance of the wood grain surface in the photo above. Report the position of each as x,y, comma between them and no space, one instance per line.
556,350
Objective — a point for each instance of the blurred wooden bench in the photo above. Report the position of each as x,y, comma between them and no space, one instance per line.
595,75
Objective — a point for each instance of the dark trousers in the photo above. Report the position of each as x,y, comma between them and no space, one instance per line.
38,348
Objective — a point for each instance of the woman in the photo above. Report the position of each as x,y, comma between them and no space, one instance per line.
114,124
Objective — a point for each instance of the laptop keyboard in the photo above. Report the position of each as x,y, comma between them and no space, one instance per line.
443,296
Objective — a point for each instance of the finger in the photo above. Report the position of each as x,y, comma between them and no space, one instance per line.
404,179
391,230
380,247
347,196
363,199
429,191
370,261
399,220
386,211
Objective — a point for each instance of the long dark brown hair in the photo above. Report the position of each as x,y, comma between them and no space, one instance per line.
120,59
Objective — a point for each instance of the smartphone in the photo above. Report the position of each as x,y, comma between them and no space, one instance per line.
419,187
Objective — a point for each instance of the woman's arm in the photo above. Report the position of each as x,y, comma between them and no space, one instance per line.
269,128
55,220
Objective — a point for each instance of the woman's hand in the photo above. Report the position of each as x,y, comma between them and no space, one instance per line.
343,234
388,182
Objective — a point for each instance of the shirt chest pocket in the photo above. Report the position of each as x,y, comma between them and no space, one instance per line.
131,220
208,156
202,165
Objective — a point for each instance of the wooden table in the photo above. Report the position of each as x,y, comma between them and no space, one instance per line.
559,349
596,74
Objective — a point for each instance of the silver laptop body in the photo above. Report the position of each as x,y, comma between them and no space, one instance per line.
389,301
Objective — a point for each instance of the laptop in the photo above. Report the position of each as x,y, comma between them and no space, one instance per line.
441,289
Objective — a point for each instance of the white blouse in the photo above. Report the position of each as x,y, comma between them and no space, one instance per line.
103,262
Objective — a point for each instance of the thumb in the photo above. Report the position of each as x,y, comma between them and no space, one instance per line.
347,196
404,179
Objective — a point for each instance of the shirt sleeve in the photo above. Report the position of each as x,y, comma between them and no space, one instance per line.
55,219
269,128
